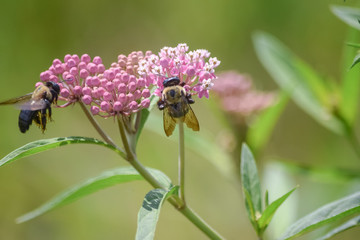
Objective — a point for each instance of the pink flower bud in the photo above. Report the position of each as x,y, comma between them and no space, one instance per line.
92,68
145,103
54,78
118,106
132,87
124,78
88,81
86,91
122,88
75,58
133,105
95,81
101,91
94,110
38,84
56,62
87,99
64,93
164,62
97,60
145,93
110,86
77,90
105,106
84,73
71,63
107,96
190,71
137,94
85,58
122,98
82,65
67,57
73,71
58,68
101,68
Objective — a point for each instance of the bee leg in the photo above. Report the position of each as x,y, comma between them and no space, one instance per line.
54,96
161,104
189,99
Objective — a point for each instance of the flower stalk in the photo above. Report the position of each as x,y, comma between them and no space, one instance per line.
181,162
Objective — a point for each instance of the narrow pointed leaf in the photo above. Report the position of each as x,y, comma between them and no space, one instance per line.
145,115
356,60
354,222
271,209
91,185
149,213
328,213
261,129
293,75
349,15
350,89
250,183
47,144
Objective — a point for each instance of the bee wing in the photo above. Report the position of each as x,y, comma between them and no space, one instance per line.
17,100
169,122
33,105
191,120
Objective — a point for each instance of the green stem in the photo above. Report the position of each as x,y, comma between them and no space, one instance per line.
132,159
181,162
354,143
96,125
200,223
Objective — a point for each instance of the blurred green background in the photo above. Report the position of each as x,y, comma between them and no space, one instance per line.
33,33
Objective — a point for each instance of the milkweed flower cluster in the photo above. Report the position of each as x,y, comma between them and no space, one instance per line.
124,88
238,96
72,75
195,69
117,90
120,89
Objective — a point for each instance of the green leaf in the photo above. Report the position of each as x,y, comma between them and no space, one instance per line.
304,85
354,222
348,15
91,185
271,209
259,132
46,144
356,60
350,80
149,212
324,215
145,114
250,183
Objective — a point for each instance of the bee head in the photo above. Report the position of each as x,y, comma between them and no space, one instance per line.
173,81
54,86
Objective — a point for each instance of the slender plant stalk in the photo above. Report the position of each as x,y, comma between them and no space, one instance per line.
181,162
96,125
132,159
354,143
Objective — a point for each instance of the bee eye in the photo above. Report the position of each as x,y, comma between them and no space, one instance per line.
172,93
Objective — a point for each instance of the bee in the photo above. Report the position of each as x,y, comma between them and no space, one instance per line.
36,106
175,103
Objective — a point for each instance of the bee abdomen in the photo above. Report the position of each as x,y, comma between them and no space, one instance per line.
25,120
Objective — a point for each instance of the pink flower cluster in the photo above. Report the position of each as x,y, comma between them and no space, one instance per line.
238,96
117,90
190,67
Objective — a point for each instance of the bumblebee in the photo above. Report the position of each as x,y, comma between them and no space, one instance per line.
36,106
175,103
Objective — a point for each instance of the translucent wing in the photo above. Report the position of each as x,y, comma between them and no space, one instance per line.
33,105
169,122
18,100
191,120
